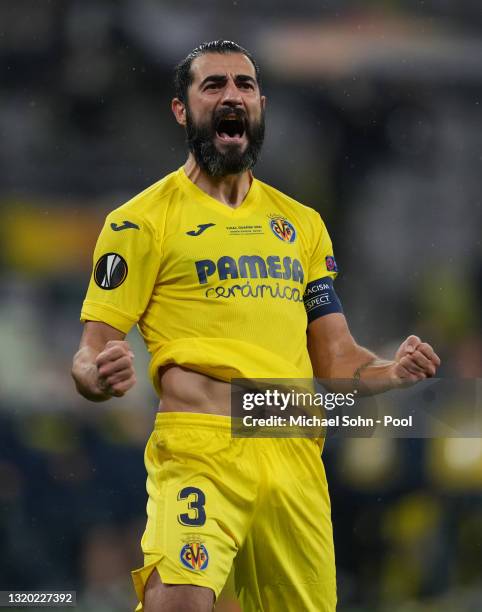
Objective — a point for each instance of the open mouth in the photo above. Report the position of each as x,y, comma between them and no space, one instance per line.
230,129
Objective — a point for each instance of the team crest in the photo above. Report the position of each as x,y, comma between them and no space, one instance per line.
331,264
194,555
282,228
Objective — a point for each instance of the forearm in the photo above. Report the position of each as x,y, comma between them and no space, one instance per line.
339,360
352,361
375,376
86,375
349,361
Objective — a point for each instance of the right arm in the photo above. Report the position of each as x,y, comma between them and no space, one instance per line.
103,366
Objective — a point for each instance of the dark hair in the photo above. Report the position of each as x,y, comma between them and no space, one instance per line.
182,72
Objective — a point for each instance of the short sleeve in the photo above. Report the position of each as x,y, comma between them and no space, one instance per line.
322,262
125,267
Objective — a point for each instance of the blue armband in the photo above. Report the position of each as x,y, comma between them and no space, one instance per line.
320,299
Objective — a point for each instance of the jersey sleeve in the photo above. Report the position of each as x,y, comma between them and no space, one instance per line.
322,263
125,267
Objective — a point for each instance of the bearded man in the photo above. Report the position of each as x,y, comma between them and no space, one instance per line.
226,278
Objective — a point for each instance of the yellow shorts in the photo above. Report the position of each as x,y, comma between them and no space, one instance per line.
261,504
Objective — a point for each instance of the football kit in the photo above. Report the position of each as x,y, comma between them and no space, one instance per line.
226,292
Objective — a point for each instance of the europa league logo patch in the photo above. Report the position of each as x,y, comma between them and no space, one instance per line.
110,271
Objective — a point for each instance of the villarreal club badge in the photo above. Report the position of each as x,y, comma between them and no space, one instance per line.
282,228
194,554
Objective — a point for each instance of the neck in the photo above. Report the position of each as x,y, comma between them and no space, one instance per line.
230,190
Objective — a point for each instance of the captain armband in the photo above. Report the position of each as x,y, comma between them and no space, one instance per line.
320,299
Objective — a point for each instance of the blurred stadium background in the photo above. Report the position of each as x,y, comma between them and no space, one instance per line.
374,119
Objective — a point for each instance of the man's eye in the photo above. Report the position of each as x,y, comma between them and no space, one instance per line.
246,85
212,85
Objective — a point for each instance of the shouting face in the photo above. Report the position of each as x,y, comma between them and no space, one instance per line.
223,114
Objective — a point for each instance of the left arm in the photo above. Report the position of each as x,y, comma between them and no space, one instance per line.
335,354
333,351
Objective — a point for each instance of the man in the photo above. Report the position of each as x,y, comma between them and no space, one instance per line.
213,265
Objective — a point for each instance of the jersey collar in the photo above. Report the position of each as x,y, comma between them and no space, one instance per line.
202,197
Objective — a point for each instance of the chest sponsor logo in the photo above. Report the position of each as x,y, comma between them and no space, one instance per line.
250,266
110,271
282,228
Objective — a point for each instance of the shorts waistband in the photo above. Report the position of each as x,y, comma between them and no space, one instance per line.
213,422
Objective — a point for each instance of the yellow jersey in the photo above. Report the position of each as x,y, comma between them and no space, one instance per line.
218,290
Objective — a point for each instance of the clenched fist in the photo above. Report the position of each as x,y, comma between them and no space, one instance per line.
414,361
115,368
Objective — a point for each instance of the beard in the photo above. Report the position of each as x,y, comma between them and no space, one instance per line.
201,143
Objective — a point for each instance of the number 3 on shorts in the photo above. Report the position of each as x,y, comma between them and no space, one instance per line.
196,504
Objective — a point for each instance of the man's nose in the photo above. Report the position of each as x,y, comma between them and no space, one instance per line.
231,95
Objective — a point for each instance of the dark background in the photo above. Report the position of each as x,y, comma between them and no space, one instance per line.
374,119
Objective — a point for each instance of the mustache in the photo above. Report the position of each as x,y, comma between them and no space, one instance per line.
223,113
200,139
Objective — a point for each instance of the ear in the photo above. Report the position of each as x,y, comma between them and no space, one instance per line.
179,110
263,102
